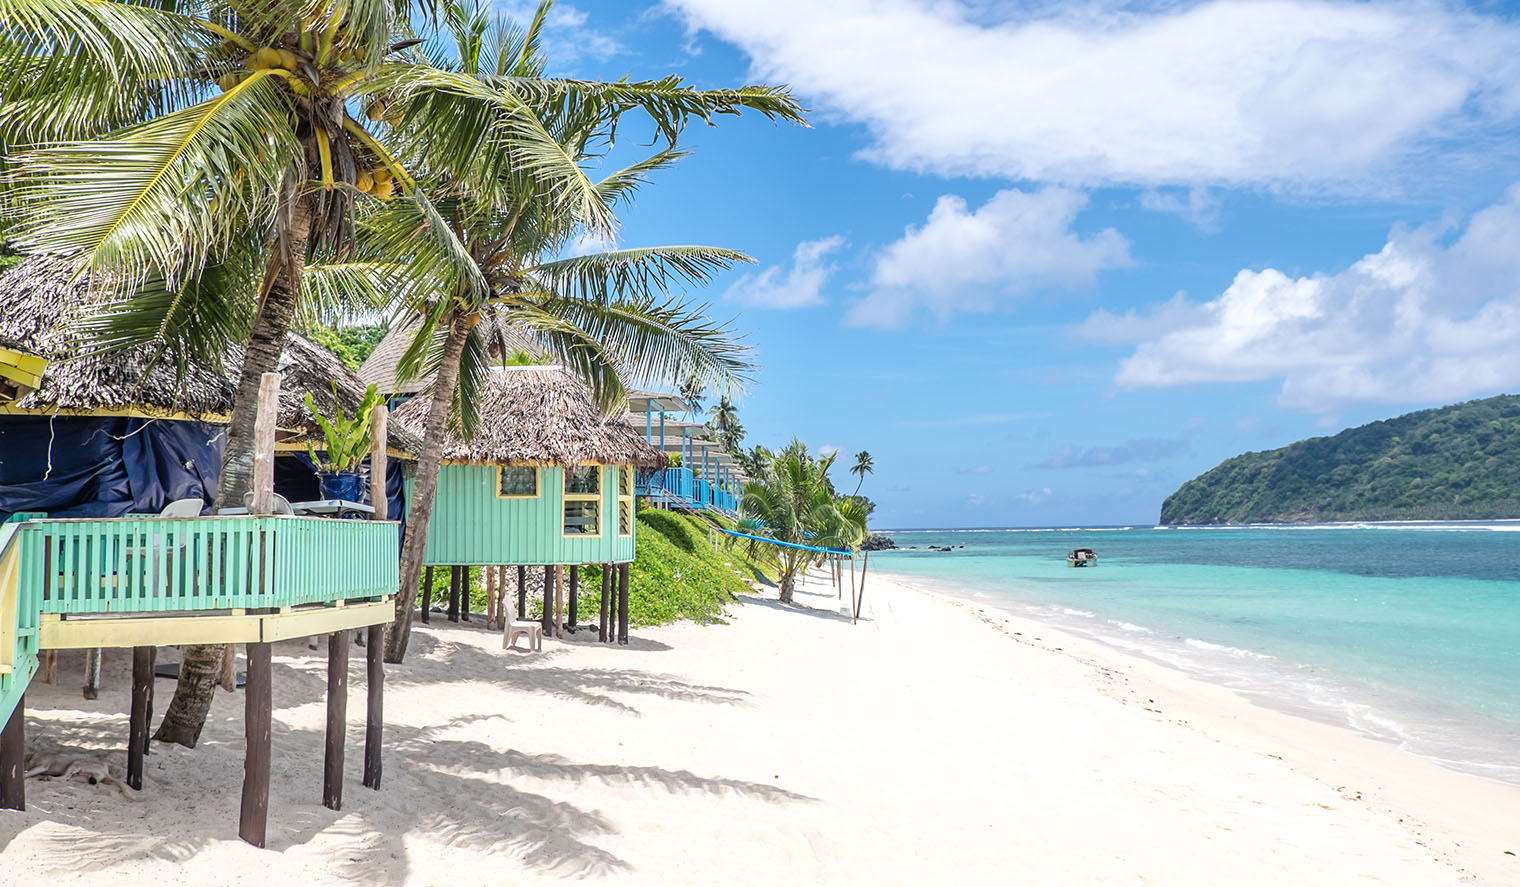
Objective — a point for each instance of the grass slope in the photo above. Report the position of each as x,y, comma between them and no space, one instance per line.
678,574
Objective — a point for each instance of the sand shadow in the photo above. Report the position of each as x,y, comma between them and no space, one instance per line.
795,607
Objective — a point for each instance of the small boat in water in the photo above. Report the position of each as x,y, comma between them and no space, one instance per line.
1082,557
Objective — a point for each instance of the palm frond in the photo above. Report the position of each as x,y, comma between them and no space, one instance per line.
640,273
161,197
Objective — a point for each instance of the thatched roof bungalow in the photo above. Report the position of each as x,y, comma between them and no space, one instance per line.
102,435
381,368
546,480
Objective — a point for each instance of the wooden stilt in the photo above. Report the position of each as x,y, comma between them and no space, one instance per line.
575,593
374,715
427,595
559,602
137,717
522,592
13,759
453,594
464,594
623,604
257,710
860,598
601,630
147,740
548,616
92,663
337,719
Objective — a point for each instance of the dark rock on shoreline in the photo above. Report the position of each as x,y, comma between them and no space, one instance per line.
877,543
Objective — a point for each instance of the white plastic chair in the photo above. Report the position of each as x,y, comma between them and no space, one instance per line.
278,504
516,628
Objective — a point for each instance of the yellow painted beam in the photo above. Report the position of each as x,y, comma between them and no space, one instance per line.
19,376
30,363
217,628
305,623
10,597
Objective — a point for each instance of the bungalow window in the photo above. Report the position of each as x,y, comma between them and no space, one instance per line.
625,501
583,500
517,482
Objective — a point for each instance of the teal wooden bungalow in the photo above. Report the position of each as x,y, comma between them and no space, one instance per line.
547,481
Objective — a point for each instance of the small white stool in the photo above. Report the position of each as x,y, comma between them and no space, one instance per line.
515,627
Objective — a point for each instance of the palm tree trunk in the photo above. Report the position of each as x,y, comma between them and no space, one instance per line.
789,566
200,667
420,508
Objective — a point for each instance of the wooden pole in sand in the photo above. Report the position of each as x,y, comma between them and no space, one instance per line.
337,719
522,592
453,594
861,599
13,759
257,694
466,588
623,604
427,595
374,642
137,718
548,614
601,631
575,593
559,602
257,713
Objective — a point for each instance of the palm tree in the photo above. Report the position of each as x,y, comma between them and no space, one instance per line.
201,154
863,466
791,500
600,314
723,418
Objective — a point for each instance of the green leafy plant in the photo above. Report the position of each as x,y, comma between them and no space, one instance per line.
348,439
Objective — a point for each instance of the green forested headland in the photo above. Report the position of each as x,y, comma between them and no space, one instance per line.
1460,462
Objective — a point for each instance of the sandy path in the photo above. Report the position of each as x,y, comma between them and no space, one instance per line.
921,746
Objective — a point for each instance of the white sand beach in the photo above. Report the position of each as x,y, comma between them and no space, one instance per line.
928,744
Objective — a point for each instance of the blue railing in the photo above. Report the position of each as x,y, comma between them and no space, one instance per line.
677,487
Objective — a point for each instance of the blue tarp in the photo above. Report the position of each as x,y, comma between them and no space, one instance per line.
787,544
88,466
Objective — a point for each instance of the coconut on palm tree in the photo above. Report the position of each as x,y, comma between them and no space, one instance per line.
603,314
198,156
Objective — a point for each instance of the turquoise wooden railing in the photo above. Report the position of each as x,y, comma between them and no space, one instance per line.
19,608
145,565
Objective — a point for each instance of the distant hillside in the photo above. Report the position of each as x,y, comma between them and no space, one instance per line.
1459,462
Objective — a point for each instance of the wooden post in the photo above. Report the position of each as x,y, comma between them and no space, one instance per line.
453,594
337,719
623,604
374,716
575,593
379,465
559,602
427,595
229,667
92,665
137,718
263,445
257,711
548,618
860,599
522,592
464,593
13,759
601,631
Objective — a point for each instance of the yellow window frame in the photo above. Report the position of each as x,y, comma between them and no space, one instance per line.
538,483
625,500
594,498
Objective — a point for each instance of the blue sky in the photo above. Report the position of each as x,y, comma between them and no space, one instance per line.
1048,261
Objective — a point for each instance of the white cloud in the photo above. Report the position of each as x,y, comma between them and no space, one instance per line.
1428,318
1196,206
969,260
567,36
798,287
1274,93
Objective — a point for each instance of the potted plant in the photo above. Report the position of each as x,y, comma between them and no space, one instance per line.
348,442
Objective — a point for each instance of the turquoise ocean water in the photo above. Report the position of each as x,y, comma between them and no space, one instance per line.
1407,632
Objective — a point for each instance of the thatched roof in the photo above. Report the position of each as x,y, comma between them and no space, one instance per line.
540,416
39,302
380,368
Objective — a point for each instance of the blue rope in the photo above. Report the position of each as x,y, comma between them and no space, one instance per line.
786,544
